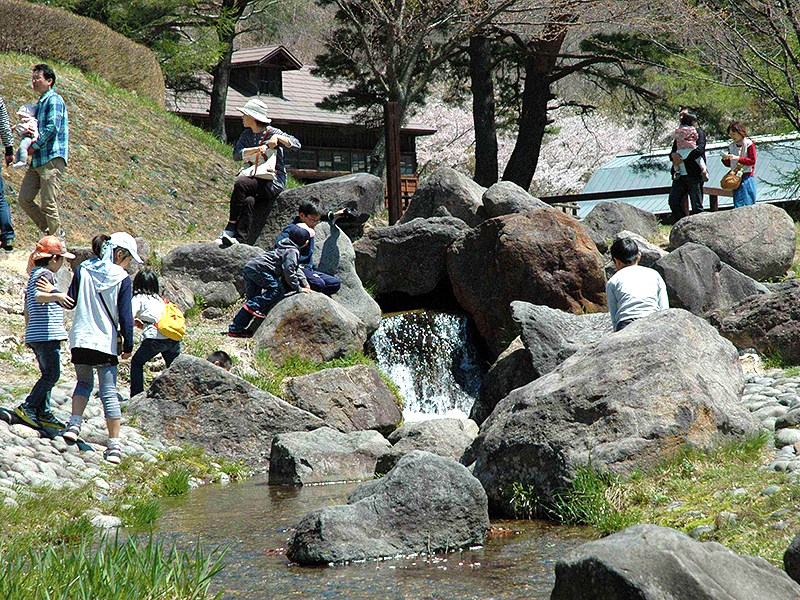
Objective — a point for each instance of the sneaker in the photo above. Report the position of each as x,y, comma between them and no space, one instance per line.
113,455
228,239
19,165
254,312
7,246
72,432
27,415
240,334
48,419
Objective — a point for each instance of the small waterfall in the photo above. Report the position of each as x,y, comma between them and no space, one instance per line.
432,358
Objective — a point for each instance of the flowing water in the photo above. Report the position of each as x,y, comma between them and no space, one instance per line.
432,358
255,520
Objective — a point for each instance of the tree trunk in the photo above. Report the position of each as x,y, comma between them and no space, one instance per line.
219,93
483,113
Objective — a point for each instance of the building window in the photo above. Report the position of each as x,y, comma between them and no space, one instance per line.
341,161
406,164
270,81
325,161
359,162
308,160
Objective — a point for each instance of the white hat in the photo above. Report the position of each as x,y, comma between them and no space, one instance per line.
255,108
124,240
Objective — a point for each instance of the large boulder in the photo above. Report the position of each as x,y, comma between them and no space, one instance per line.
409,257
311,326
650,253
198,403
511,370
447,193
213,273
627,402
334,255
648,562
769,323
324,455
443,437
351,399
360,192
178,292
698,281
506,198
610,217
543,257
551,336
791,559
757,240
425,504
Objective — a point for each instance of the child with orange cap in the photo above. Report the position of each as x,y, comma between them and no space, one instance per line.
44,329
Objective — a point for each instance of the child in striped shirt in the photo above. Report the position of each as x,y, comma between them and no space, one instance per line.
44,329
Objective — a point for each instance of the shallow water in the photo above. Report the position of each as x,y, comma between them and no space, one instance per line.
254,521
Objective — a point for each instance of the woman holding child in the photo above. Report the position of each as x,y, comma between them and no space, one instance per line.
255,144
742,157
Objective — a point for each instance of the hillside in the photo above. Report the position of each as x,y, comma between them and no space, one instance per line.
132,167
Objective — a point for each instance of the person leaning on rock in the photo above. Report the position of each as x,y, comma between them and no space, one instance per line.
633,292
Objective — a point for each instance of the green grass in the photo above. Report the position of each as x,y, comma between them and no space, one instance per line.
200,305
775,360
175,482
142,513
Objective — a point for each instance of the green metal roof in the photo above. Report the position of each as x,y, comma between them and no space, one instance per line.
775,157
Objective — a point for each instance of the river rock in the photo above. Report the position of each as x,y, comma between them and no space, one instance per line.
551,336
447,193
351,399
506,198
311,326
768,323
178,292
698,281
648,562
334,255
200,404
211,272
609,217
627,402
757,240
360,192
409,257
324,455
791,559
443,437
543,257
425,504
650,253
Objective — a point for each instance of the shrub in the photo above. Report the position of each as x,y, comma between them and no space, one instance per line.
57,35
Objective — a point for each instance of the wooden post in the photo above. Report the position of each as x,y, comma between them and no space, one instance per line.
391,128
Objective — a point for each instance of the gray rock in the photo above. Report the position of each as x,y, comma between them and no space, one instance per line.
447,193
511,370
409,257
334,255
757,240
351,399
324,455
361,192
106,521
630,400
506,197
178,292
551,336
698,281
648,562
443,437
311,326
211,272
198,403
425,504
651,253
791,559
608,218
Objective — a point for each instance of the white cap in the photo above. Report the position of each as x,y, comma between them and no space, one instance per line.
124,240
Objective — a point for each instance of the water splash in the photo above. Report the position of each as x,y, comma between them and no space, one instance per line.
432,358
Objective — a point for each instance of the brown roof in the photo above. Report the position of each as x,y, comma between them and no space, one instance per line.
256,56
301,92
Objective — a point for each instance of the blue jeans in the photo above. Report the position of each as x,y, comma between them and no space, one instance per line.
48,355
107,380
149,349
322,282
6,229
263,290
745,194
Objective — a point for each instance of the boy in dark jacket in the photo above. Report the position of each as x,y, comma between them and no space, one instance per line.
266,276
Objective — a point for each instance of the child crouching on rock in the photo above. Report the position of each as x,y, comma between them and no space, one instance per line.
633,292
44,329
264,278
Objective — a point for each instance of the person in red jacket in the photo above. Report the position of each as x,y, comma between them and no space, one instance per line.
742,157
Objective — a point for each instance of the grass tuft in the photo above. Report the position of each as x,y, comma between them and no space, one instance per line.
175,482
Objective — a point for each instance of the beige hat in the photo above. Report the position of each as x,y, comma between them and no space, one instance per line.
256,109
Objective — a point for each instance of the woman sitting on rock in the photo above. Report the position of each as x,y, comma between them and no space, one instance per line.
256,143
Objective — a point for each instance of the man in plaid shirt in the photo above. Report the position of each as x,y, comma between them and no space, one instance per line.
49,152
6,230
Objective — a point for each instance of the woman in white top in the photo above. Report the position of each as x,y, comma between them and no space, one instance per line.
742,156
147,307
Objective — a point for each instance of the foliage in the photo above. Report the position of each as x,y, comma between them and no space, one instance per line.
175,482
200,305
142,512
